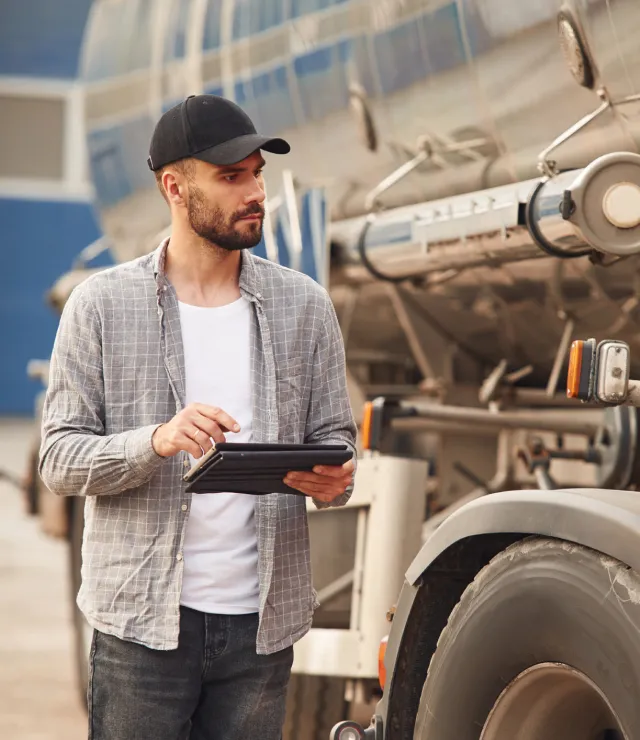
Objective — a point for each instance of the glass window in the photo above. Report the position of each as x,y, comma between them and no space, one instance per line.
442,30
302,7
175,42
322,79
255,16
118,39
400,57
212,25
139,47
118,161
103,40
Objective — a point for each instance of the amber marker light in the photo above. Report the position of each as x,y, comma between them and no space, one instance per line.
382,671
367,420
575,368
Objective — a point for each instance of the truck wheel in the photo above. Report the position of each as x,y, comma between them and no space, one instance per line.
81,630
545,643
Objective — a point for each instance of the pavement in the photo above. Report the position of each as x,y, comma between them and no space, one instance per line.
38,696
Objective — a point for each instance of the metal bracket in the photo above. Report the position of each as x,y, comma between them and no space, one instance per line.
549,167
371,201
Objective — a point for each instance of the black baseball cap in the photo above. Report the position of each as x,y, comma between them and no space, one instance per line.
209,128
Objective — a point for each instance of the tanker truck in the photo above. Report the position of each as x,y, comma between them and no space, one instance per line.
465,181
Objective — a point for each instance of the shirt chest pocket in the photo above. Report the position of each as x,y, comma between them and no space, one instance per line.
290,388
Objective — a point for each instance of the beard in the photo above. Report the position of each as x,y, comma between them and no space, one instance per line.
214,226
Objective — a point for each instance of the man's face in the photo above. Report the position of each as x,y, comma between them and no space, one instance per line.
225,204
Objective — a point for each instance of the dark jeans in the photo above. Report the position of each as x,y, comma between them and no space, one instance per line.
213,687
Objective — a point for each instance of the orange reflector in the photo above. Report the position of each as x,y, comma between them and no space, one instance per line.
575,369
366,425
382,671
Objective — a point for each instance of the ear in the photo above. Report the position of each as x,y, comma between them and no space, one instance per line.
175,187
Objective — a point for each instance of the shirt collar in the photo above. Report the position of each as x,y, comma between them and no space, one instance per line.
249,281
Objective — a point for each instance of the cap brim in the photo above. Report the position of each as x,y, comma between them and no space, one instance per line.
235,150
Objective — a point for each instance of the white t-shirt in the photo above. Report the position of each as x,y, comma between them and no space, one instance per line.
220,550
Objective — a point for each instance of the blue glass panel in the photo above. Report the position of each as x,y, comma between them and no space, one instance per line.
176,39
283,239
400,56
107,168
41,37
480,40
169,103
274,107
260,250
117,158
212,25
119,40
266,99
443,34
244,97
134,138
363,62
103,43
214,89
322,79
138,50
302,7
254,16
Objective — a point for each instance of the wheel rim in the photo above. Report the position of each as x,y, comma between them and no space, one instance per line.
552,700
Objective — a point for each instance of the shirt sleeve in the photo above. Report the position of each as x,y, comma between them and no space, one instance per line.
330,418
76,457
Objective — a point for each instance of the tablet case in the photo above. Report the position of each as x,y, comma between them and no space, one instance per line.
258,468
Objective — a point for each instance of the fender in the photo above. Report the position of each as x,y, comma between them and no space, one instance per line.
607,521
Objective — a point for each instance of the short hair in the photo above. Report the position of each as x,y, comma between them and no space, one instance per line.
186,167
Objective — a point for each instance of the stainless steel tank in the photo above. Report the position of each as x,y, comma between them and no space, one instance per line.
360,88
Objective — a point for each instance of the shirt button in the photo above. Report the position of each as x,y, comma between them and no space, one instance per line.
184,507
186,463
179,557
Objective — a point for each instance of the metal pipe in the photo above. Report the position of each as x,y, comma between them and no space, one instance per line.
507,394
335,588
552,421
561,355
416,425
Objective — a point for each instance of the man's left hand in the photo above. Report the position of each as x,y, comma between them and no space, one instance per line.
325,483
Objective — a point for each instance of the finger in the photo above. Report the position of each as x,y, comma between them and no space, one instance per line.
222,418
312,488
332,471
210,428
201,438
318,479
188,445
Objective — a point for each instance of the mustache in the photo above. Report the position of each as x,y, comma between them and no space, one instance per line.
253,210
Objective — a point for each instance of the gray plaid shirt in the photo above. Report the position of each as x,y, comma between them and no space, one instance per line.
117,372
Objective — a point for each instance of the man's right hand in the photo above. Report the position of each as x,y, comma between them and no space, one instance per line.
192,430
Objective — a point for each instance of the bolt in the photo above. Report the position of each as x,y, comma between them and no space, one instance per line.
616,372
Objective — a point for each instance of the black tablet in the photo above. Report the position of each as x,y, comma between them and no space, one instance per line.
258,468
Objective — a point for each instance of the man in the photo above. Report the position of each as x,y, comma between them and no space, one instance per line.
195,601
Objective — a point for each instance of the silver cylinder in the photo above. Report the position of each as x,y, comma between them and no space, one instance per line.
596,208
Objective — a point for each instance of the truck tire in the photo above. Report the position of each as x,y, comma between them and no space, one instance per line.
545,643
81,630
